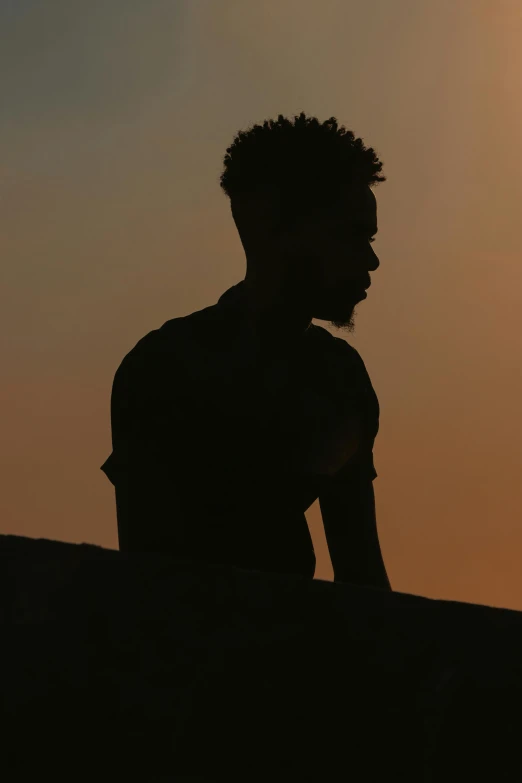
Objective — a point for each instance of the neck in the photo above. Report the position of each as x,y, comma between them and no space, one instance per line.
271,315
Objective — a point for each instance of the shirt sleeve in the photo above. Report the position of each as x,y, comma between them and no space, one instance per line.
123,409
357,381
140,420
116,463
366,466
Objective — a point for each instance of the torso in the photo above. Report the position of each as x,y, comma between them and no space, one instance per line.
254,441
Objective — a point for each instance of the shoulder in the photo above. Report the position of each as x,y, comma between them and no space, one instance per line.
160,365
175,342
337,350
345,367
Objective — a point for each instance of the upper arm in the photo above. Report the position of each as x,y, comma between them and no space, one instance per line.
146,413
147,445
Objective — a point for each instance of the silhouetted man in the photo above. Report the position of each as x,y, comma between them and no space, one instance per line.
228,423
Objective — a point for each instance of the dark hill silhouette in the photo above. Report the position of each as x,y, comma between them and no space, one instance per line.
140,667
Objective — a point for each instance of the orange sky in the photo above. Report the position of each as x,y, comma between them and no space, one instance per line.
114,122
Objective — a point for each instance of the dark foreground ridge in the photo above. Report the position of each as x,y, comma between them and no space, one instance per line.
141,667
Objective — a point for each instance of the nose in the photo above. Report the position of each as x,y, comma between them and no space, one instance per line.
374,263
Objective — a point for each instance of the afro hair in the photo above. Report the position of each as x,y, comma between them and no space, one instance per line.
302,164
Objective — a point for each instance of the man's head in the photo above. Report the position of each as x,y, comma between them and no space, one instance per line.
306,215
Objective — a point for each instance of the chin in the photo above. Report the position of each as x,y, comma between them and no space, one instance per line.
339,320
343,321
339,310
345,326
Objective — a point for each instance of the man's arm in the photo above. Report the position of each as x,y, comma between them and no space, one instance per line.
348,510
147,455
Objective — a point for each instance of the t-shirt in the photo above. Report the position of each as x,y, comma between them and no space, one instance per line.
229,438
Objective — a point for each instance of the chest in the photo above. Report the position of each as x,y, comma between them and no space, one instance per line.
288,415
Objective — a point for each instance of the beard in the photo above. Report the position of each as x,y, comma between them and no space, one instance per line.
338,310
345,324
303,279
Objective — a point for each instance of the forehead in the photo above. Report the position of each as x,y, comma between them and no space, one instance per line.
358,205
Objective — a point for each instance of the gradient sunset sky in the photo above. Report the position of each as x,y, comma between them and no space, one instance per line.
115,117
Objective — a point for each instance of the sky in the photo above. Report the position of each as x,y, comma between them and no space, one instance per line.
114,121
